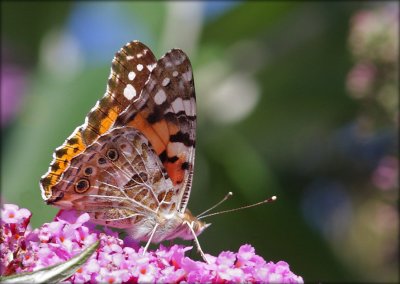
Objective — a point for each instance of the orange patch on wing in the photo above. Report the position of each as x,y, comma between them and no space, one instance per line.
62,161
173,128
141,124
154,139
108,120
175,171
162,130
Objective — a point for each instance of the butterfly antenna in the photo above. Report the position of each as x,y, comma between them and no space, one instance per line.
273,198
229,194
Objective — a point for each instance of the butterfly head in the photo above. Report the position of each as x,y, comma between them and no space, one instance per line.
197,225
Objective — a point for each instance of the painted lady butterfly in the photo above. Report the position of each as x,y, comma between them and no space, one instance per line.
130,165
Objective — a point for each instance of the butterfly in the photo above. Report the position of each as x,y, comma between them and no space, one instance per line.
130,165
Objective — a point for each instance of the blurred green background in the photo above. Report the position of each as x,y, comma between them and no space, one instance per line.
295,99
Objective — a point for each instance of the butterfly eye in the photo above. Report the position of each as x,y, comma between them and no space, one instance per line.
82,185
112,154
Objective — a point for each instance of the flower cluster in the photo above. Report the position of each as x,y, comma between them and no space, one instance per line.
373,79
373,43
122,261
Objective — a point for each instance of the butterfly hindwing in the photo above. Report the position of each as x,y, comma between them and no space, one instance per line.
118,180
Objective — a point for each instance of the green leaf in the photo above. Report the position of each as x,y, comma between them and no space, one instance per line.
54,273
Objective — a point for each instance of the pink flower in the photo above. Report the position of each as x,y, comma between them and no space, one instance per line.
14,226
118,262
12,214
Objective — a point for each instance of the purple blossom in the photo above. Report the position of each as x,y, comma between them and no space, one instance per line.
122,261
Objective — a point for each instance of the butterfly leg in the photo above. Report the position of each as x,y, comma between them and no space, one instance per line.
151,237
197,242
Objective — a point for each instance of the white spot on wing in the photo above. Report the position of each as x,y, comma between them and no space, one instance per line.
160,97
187,75
129,92
131,75
129,57
178,60
177,105
176,147
166,81
139,67
168,64
139,55
175,73
188,107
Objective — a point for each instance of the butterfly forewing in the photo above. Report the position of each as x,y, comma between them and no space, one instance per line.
130,70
